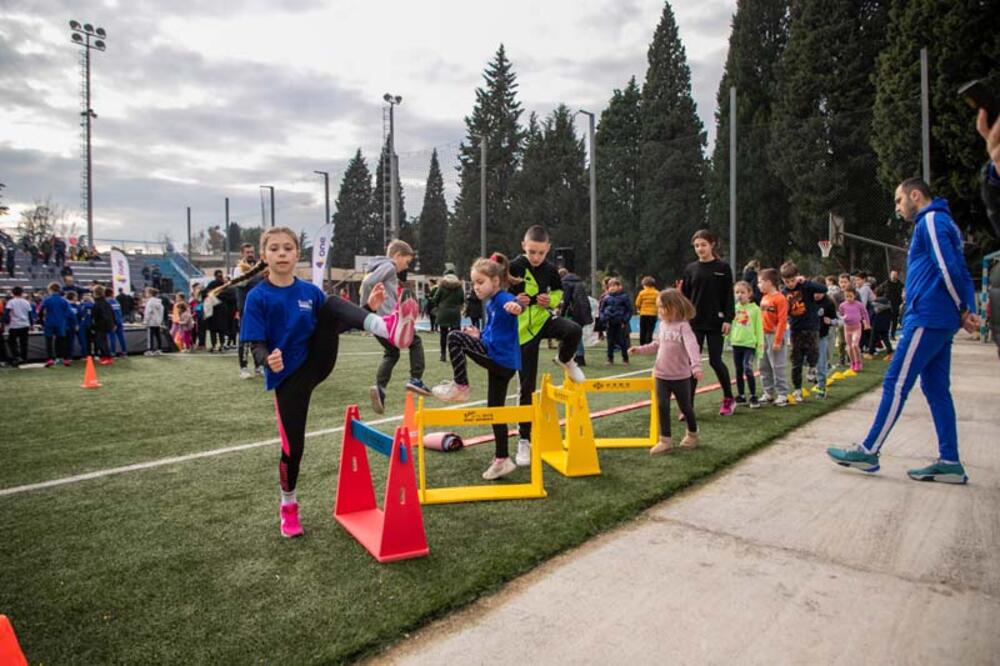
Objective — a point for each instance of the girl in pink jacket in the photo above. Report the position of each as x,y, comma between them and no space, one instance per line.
678,361
855,316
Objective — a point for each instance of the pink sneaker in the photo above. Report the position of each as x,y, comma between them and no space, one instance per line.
727,407
290,525
402,323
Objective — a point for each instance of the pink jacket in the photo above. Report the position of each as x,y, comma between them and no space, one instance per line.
853,313
677,355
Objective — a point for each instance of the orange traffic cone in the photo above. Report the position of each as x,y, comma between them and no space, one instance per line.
90,375
410,416
10,650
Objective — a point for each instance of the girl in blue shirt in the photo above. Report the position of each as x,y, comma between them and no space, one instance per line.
292,328
497,348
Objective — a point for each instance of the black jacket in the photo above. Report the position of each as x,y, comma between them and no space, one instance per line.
802,305
709,285
104,316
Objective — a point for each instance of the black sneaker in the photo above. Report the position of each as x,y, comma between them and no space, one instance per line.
754,402
377,395
741,400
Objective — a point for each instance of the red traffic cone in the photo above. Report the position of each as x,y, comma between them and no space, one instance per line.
90,375
10,650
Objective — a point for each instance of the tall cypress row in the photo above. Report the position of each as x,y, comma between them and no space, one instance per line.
357,230
433,224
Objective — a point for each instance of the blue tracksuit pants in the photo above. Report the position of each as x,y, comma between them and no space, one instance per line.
924,353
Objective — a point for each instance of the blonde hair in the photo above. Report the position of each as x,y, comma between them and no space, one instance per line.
676,306
399,247
496,266
743,284
274,231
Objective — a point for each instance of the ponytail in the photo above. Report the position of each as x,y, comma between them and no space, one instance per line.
497,266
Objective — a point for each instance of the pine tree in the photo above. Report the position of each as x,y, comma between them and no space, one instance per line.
382,197
619,241
495,115
821,123
962,39
672,173
757,40
551,188
357,230
433,222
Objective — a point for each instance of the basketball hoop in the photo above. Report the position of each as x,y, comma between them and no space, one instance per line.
824,248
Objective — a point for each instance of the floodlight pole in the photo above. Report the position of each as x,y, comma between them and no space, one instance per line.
82,35
270,187
593,200
732,179
393,100
189,235
482,195
326,186
226,242
925,116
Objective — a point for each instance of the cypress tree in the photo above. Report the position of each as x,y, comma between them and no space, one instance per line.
551,187
357,230
821,122
672,173
381,198
619,242
433,225
757,40
962,39
495,115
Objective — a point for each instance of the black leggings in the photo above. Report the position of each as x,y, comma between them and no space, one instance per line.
445,330
155,341
19,344
461,345
743,362
568,333
647,323
291,397
683,392
55,346
715,341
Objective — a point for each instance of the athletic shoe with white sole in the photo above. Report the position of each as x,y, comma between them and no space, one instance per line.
417,386
523,457
401,324
290,525
940,471
858,458
500,467
377,395
781,401
572,369
449,391
246,373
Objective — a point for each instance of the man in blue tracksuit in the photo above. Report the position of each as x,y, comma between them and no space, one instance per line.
940,299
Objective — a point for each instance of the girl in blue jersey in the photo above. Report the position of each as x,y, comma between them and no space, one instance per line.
497,348
292,328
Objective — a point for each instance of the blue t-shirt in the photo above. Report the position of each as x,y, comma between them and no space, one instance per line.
117,309
500,335
57,314
284,318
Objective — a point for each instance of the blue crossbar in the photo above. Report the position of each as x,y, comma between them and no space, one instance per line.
375,440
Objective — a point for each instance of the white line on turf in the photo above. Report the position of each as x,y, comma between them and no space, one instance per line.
97,474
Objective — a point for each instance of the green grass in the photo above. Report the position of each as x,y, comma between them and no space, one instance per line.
183,563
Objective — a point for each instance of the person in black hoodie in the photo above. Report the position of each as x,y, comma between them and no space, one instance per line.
708,283
104,324
616,311
803,320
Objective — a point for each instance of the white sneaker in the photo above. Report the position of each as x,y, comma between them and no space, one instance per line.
781,401
797,394
449,391
572,369
523,457
498,468
148,352
246,373
259,370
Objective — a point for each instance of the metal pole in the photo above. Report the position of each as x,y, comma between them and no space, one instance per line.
925,114
732,178
482,196
272,205
393,189
593,201
90,171
326,187
189,237
226,243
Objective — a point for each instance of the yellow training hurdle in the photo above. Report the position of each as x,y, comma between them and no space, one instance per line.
478,416
630,385
572,455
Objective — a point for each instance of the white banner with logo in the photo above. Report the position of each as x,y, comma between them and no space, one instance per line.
321,250
119,272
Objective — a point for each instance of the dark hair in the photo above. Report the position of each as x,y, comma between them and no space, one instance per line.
789,269
850,290
536,233
17,291
770,275
648,281
918,184
706,235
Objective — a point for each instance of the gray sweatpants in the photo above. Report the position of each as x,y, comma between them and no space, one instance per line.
772,368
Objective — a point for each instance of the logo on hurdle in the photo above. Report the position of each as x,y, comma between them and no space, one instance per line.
395,532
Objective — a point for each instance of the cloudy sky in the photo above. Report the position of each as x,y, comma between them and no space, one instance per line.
200,100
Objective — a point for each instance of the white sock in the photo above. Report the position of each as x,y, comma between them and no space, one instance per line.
288,498
376,326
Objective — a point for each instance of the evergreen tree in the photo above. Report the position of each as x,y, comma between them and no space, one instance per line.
672,173
619,242
551,188
357,230
822,119
757,40
433,221
495,116
382,198
962,39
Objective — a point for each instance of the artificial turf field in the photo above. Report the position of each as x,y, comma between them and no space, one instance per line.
183,563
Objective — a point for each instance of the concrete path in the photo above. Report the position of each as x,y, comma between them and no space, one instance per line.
786,558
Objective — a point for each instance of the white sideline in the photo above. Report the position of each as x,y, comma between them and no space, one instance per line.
218,452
